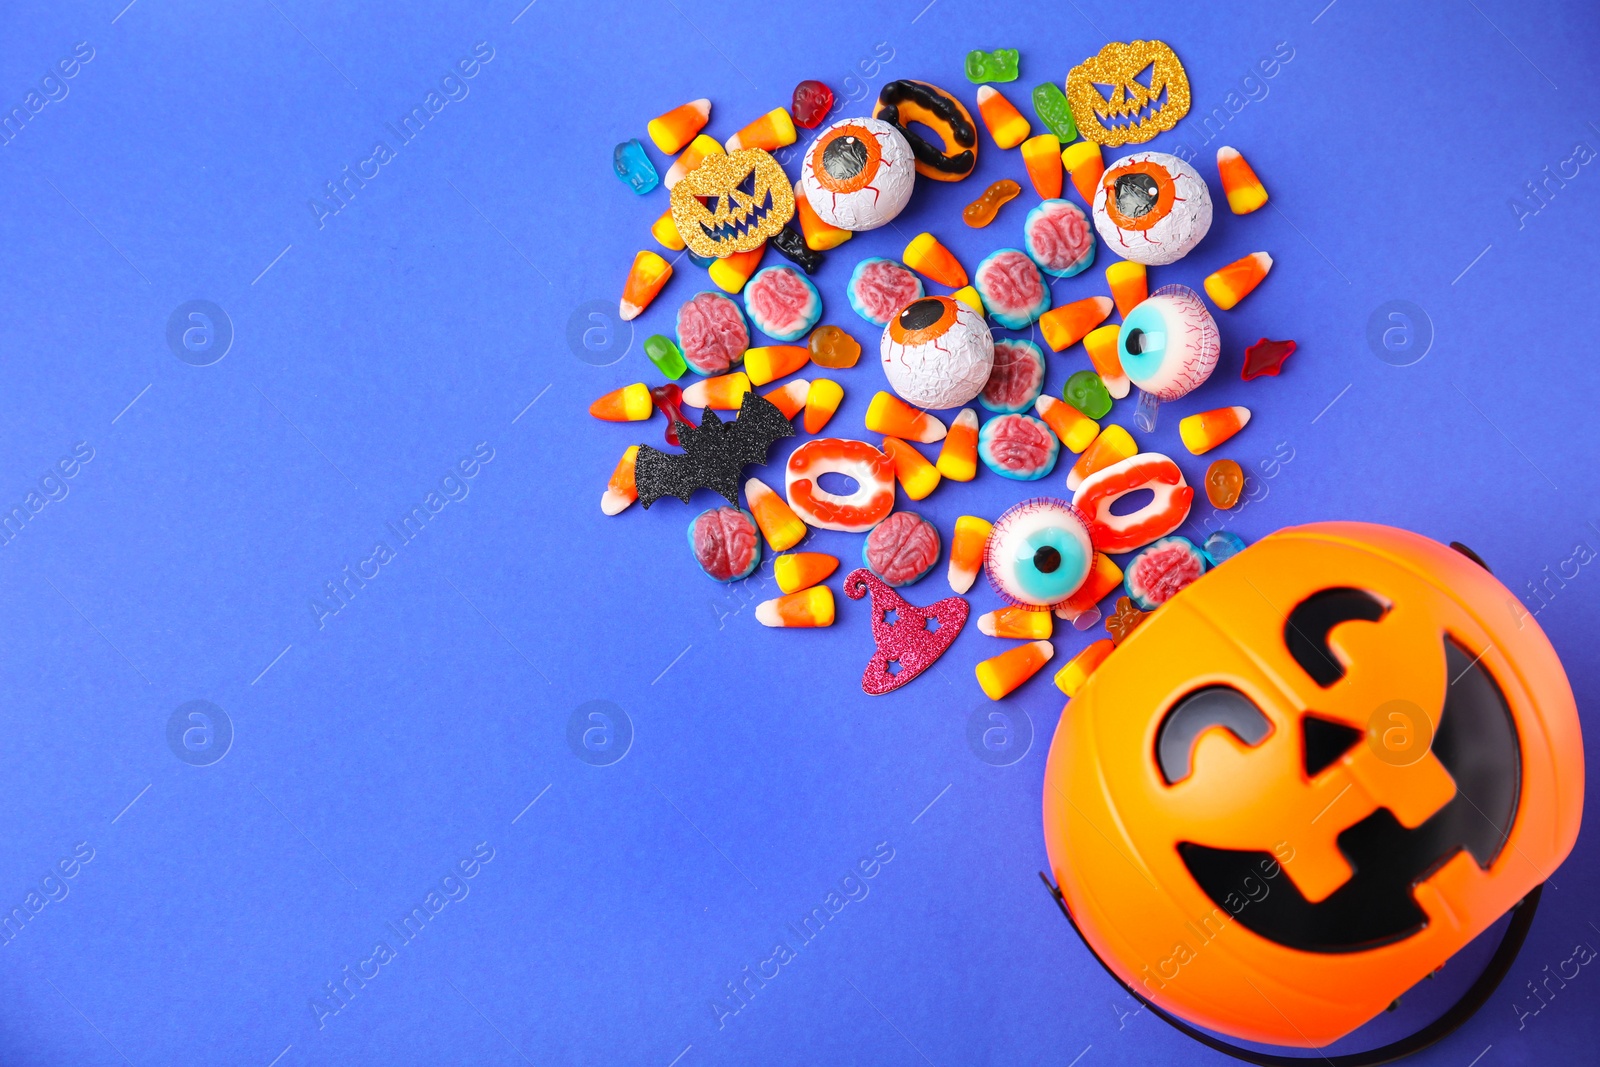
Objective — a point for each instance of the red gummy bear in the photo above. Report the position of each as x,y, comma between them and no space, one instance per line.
811,104
668,400
907,641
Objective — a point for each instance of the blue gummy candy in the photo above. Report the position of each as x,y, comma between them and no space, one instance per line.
986,451
1221,546
634,167
798,327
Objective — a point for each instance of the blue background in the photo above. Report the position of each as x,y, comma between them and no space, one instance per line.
374,349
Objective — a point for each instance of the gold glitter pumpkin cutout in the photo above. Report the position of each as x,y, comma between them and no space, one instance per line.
732,203
1128,93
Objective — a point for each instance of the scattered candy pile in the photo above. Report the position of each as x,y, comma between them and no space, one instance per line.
1049,556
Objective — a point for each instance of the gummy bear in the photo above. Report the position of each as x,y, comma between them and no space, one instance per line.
634,167
667,357
811,104
1224,483
982,211
1086,392
1127,618
831,347
792,247
997,66
1050,104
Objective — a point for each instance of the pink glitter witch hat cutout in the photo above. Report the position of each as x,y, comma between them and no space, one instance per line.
908,640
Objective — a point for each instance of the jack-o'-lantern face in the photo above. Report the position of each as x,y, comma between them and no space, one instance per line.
1128,93
732,203
1332,762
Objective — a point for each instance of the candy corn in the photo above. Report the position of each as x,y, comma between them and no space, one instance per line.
821,402
1076,430
819,235
1084,163
789,398
917,476
1239,181
678,127
1042,156
773,130
802,570
1066,325
1101,344
928,257
969,296
894,417
966,551
1016,622
1237,280
1071,678
645,279
1112,446
731,272
809,607
768,364
779,524
620,490
958,456
701,147
631,403
1128,284
1205,431
725,392
666,231
1005,122
1104,576
1003,673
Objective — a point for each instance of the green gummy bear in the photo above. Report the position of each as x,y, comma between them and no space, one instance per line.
1086,392
1050,103
666,356
997,66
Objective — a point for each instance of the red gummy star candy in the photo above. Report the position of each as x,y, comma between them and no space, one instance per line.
1266,357
907,640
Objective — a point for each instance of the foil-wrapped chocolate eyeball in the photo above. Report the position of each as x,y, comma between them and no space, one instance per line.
1152,208
937,352
858,174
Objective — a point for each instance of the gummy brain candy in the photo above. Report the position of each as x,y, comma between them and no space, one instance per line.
1161,569
782,303
1017,378
1012,288
902,548
1169,344
1058,237
1152,208
880,287
937,352
858,174
711,333
725,543
1039,553
1018,446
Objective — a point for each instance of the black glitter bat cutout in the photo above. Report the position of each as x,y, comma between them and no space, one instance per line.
714,454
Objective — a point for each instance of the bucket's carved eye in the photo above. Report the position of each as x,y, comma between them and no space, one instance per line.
1216,705
1306,632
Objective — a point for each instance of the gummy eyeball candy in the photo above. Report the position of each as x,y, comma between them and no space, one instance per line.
1152,208
1169,344
858,174
1039,553
937,352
